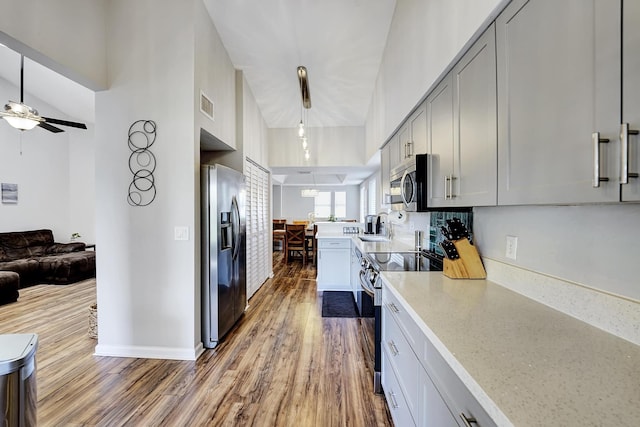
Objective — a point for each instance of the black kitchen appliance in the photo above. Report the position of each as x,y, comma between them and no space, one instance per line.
370,267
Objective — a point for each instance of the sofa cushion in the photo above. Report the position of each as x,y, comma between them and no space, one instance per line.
9,284
25,244
67,268
28,269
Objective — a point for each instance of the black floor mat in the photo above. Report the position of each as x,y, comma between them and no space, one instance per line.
338,304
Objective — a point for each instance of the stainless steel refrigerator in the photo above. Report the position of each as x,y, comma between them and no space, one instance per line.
224,291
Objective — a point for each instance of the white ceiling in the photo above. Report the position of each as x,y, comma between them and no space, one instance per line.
340,42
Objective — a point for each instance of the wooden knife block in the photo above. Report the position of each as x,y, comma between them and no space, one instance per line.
468,266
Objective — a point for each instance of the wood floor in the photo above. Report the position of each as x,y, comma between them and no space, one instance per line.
282,365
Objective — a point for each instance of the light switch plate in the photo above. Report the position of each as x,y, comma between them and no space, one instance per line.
181,233
512,247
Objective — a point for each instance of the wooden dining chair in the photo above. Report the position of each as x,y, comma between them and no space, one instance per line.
279,231
312,245
295,241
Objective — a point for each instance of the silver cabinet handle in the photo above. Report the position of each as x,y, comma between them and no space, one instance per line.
392,398
468,420
451,179
624,140
393,348
446,187
597,179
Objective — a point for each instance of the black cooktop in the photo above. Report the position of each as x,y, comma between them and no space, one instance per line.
406,261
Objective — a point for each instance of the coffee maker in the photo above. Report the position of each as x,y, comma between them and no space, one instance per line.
370,222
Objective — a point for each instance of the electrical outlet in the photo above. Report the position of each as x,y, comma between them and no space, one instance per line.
512,247
181,233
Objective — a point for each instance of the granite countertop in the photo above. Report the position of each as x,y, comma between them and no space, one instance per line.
526,364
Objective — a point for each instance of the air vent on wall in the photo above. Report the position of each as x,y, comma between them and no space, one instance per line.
206,105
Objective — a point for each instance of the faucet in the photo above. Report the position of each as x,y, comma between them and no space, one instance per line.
388,229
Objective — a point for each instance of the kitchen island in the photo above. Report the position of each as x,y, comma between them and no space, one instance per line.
526,364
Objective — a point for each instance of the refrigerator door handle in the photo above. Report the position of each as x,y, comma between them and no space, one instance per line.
235,224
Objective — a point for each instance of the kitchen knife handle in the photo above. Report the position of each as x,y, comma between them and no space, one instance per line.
595,138
624,140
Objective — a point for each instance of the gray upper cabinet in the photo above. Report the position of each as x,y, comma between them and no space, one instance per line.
440,138
416,138
630,163
463,130
559,101
384,175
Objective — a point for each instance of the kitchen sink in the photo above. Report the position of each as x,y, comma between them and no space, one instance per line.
374,238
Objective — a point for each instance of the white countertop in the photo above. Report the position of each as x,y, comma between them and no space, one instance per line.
392,246
527,364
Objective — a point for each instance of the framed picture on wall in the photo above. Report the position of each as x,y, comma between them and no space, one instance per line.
9,193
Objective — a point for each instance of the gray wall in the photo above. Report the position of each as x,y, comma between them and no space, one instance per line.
295,206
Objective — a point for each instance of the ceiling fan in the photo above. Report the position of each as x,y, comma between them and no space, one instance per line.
21,116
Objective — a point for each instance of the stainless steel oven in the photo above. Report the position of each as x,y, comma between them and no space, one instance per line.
370,267
408,185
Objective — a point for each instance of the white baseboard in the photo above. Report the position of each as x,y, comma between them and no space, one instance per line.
143,352
617,315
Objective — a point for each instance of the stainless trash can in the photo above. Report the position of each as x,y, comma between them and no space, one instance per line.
18,396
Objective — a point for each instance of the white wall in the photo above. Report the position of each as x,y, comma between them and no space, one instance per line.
597,246
54,173
65,36
294,206
147,301
336,146
215,76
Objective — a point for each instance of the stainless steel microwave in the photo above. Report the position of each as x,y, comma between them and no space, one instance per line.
408,189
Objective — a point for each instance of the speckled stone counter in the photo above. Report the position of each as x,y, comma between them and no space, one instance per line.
526,364
391,246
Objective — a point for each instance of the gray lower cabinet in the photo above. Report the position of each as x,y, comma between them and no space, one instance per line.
630,160
420,387
463,133
558,65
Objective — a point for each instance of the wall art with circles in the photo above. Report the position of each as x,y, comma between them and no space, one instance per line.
142,163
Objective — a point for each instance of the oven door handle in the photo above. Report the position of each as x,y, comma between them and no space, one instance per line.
365,285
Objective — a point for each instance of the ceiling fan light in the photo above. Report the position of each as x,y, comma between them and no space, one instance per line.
21,123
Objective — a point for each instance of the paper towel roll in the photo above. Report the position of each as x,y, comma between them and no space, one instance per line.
397,217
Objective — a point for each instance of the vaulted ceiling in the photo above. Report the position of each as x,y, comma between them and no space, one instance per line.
340,42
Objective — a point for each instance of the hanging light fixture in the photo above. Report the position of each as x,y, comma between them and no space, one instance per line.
305,105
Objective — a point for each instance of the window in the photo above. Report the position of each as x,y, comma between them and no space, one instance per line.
340,206
372,208
329,203
322,205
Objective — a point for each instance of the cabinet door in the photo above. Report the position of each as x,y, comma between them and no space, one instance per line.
558,83
631,94
432,409
384,175
394,150
475,126
334,268
418,129
404,141
440,137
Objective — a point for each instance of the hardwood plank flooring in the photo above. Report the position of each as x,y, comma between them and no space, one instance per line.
282,365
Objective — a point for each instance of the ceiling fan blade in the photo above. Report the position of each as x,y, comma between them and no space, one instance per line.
50,128
65,123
